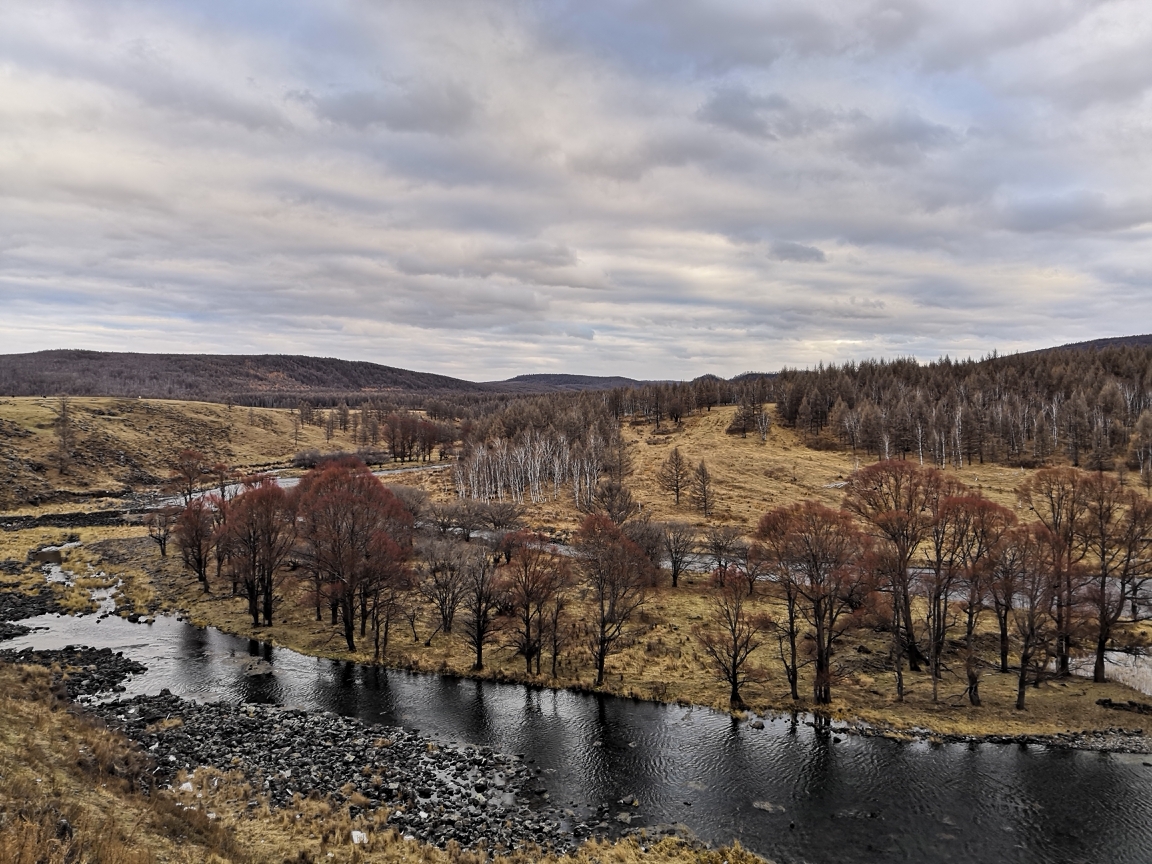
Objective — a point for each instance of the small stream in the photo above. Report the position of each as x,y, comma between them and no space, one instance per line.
788,791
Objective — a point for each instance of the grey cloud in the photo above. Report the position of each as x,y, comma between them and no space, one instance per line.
602,198
631,162
1082,210
440,109
897,141
768,116
785,250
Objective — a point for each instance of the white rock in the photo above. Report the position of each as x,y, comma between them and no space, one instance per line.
359,838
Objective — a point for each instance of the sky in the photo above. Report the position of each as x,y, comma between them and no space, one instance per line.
651,188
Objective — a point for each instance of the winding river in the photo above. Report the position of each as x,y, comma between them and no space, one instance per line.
788,791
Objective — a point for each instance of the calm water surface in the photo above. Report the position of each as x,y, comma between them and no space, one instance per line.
860,800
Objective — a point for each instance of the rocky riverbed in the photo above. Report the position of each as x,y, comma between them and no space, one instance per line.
434,792
15,605
85,672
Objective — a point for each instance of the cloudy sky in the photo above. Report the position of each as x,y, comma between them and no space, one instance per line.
656,188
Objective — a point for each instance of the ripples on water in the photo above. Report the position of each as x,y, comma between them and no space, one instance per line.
788,792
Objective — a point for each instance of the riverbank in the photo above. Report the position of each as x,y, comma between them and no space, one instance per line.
172,780
665,664
662,664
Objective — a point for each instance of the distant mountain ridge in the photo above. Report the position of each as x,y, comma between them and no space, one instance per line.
552,382
1141,341
220,377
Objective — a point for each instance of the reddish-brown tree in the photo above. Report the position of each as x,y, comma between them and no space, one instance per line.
189,469
355,534
531,580
819,550
262,533
617,575
195,527
1056,496
895,499
1115,530
1035,551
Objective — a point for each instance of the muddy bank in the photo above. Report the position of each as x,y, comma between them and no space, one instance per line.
1115,739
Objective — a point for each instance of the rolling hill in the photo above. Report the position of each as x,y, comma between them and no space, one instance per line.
265,379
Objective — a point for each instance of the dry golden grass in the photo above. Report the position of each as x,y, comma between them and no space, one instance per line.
752,476
122,443
56,765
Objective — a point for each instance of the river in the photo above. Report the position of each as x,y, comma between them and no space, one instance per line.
789,792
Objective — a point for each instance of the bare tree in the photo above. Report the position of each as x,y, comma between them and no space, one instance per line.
445,581
190,469
415,500
160,523
1056,496
735,634
531,580
702,493
356,534
648,536
468,517
615,501
895,499
674,475
1033,616
262,525
482,598
723,545
1115,528
679,544
763,423
617,577
817,551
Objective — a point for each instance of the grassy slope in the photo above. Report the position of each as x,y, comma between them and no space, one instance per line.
55,764
124,444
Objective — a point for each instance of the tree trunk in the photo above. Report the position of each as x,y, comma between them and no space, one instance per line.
1022,681
347,612
1004,641
1098,675
973,679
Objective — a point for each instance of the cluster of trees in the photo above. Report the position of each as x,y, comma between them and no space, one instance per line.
921,555
407,435
912,551
340,540
1092,407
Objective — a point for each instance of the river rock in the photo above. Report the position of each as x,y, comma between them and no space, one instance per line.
84,671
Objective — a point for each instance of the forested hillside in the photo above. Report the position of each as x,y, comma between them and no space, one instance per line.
1088,406
267,380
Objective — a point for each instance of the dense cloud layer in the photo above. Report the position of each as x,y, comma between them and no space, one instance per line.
657,188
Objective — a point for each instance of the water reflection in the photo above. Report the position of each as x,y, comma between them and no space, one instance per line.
790,792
